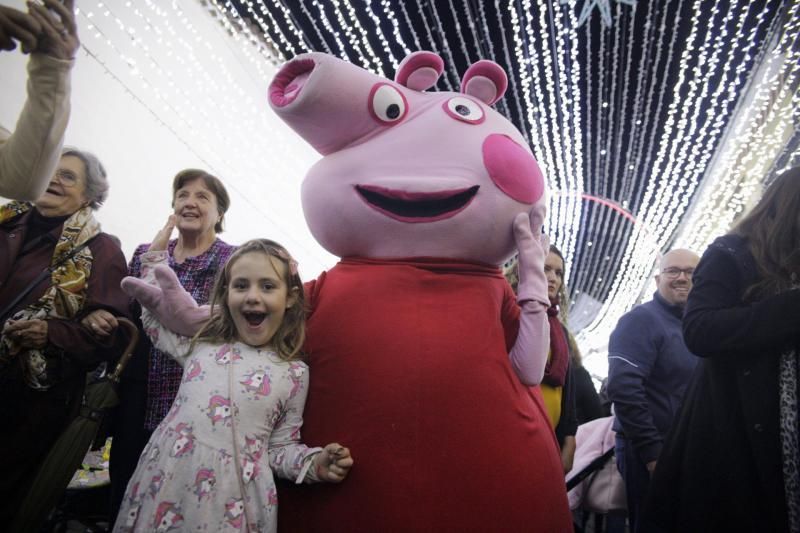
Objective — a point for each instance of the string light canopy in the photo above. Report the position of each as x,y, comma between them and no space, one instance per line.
656,123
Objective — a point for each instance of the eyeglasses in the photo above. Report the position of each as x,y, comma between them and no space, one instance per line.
674,272
67,178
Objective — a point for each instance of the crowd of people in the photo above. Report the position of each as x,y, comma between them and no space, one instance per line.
703,378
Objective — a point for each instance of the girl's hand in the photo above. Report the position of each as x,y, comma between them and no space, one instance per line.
333,463
161,240
100,322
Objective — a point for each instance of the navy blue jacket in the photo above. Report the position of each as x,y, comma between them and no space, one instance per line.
649,368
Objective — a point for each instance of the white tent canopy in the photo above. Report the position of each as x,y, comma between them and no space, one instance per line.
161,89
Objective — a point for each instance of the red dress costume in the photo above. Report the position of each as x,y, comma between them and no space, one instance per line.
440,387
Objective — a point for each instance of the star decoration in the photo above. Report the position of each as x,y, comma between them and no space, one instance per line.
603,5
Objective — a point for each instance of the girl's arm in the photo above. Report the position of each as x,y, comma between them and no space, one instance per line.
288,457
291,459
177,346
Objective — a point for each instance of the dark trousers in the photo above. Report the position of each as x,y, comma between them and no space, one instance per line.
130,438
636,477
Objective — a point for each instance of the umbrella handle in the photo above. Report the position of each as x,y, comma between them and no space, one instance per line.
133,332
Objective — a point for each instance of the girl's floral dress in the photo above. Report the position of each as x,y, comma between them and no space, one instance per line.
187,477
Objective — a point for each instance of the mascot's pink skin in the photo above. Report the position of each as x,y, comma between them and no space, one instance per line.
421,193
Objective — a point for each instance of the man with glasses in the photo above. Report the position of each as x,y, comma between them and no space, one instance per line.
649,368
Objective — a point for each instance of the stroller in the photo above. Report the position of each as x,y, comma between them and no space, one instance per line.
594,486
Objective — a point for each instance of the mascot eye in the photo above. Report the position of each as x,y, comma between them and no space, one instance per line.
387,105
465,110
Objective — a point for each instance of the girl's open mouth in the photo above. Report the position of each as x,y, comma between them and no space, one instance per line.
253,318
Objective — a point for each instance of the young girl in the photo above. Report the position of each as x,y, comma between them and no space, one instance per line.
237,416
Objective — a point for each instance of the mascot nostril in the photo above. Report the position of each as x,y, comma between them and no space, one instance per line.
288,83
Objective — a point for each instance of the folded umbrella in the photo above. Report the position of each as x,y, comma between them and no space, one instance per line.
67,453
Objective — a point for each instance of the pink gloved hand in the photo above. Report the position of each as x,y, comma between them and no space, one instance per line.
169,302
533,248
529,353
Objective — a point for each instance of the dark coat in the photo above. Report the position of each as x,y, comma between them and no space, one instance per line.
720,469
587,401
32,420
649,368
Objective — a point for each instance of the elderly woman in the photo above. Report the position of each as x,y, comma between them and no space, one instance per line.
151,381
44,351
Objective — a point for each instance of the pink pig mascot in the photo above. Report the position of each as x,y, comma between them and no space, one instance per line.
420,353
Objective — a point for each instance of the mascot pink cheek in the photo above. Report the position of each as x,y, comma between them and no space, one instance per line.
512,168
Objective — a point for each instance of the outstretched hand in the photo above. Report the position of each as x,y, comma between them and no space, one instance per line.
168,301
59,34
533,248
16,26
333,463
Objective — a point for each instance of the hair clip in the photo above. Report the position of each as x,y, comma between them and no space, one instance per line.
292,267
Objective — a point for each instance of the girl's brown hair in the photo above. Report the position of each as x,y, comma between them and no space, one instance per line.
291,334
772,230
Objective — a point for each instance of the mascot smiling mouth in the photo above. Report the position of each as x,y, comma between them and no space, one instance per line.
417,206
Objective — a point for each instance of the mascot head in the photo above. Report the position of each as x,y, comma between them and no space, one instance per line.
407,173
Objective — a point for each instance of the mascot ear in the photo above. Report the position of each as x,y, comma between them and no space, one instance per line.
486,81
419,71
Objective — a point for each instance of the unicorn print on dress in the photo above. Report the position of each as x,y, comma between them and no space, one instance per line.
204,482
296,375
168,517
193,371
257,381
129,520
234,512
219,408
184,443
226,354
250,469
253,446
155,483
152,455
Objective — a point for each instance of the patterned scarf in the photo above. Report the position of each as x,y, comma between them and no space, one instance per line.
63,298
555,371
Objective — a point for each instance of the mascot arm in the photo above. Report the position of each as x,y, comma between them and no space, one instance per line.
168,301
529,353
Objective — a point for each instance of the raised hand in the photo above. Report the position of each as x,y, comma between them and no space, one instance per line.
59,35
529,354
16,26
169,302
533,248
161,240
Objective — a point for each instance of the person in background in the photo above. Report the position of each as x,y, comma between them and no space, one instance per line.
45,352
29,156
649,367
731,463
588,406
151,379
557,386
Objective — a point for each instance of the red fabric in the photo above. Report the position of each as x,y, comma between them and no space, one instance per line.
410,369
555,372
